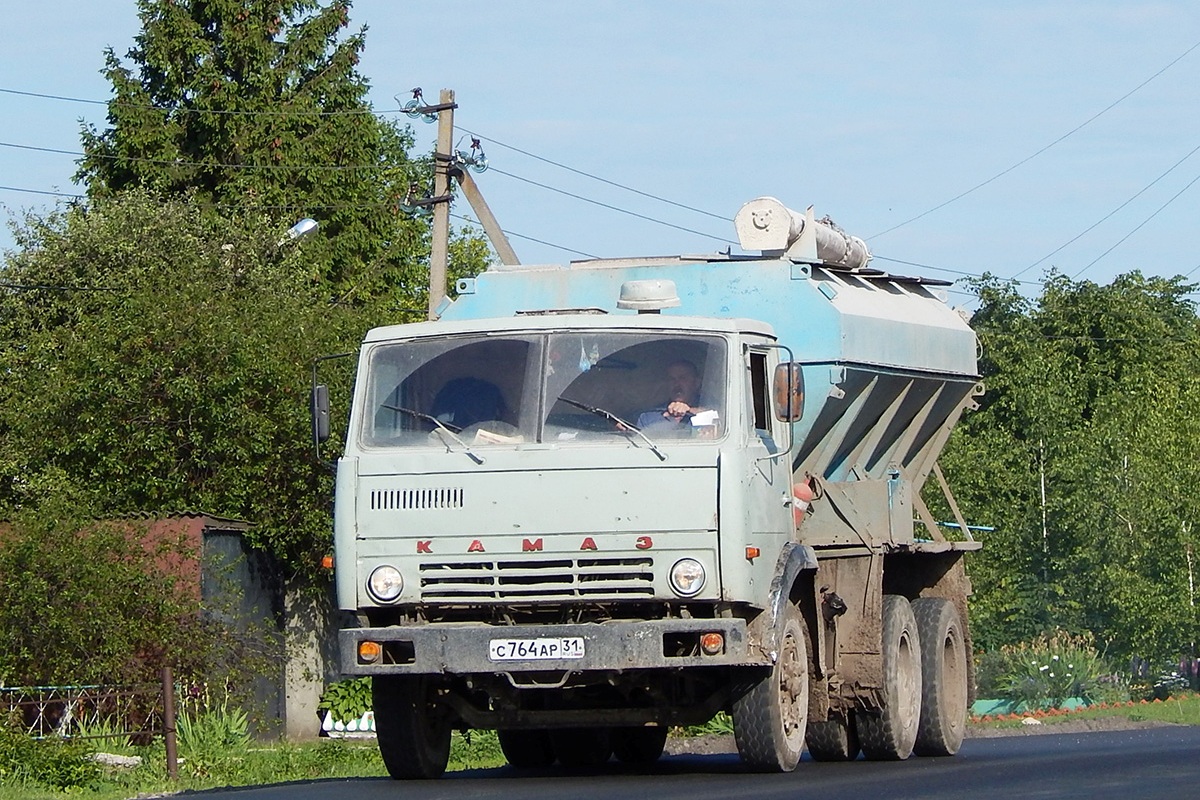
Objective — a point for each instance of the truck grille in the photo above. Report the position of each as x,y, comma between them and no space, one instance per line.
536,580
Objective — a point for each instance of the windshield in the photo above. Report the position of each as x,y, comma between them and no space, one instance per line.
560,387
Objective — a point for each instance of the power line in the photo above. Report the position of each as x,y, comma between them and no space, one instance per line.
611,207
302,207
40,191
596,177
530,238
350,167
1027,159
944,269
178,163
1138,228
1109,214
172,162
187,110
590,176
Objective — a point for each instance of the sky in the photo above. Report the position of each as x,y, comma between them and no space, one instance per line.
956,138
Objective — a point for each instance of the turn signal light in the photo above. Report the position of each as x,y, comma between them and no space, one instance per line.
712,643
369,652
752,553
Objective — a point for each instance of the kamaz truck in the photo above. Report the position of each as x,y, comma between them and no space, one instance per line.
593,501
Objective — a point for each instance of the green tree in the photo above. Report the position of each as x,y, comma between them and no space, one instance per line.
258,105
157,360
1082,457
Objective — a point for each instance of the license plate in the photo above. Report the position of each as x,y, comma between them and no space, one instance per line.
535,649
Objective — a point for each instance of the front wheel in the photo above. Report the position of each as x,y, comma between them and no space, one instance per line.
889,734
769,720
411,726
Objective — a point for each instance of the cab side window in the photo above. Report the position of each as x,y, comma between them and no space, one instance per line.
760,399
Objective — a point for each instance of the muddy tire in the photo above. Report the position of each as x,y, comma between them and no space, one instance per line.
944,671
642,745
834,740
769,720
411,726
580,748
526,749
889,734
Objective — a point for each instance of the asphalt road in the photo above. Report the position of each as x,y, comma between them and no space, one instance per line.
1149,763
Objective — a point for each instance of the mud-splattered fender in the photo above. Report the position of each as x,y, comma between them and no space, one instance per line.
794,559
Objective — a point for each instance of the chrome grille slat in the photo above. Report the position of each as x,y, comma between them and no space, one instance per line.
549,578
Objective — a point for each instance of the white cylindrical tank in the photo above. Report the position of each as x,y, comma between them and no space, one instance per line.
767,225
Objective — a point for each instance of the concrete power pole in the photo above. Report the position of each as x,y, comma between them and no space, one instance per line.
447,166
443,159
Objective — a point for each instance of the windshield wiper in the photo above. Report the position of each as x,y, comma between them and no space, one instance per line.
442,427
622,425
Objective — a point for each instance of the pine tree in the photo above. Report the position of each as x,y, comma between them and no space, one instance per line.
256,107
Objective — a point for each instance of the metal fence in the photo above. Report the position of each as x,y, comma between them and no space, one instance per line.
136,713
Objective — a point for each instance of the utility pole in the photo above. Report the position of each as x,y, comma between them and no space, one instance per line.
443,158
448,164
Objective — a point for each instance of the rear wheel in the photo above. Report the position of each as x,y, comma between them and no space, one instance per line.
526,749
642,745
890,734
944,676
834,740
769,720
411,726
582,747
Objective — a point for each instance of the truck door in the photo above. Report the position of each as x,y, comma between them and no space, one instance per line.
769,474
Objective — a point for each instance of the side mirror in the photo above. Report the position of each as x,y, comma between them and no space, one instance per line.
320,413
788,392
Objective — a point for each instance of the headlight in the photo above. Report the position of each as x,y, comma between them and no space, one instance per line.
687,577
385,583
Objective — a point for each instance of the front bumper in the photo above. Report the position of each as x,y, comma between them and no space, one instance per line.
458,649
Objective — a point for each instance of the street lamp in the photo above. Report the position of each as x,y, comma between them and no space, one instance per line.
301,229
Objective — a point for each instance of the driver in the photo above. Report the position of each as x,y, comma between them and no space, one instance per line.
465,401
682,401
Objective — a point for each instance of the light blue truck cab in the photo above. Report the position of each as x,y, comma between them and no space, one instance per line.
593,501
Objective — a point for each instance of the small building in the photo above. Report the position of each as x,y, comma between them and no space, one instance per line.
247,588
240,585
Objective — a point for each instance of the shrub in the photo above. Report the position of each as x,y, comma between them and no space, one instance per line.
1112,687
347,700
87,602
991,671
721,724
209,726
1167,684
1050,668
51,762
214,731
83,602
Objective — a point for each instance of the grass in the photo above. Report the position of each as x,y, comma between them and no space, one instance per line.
1183,709
255,765
260,764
